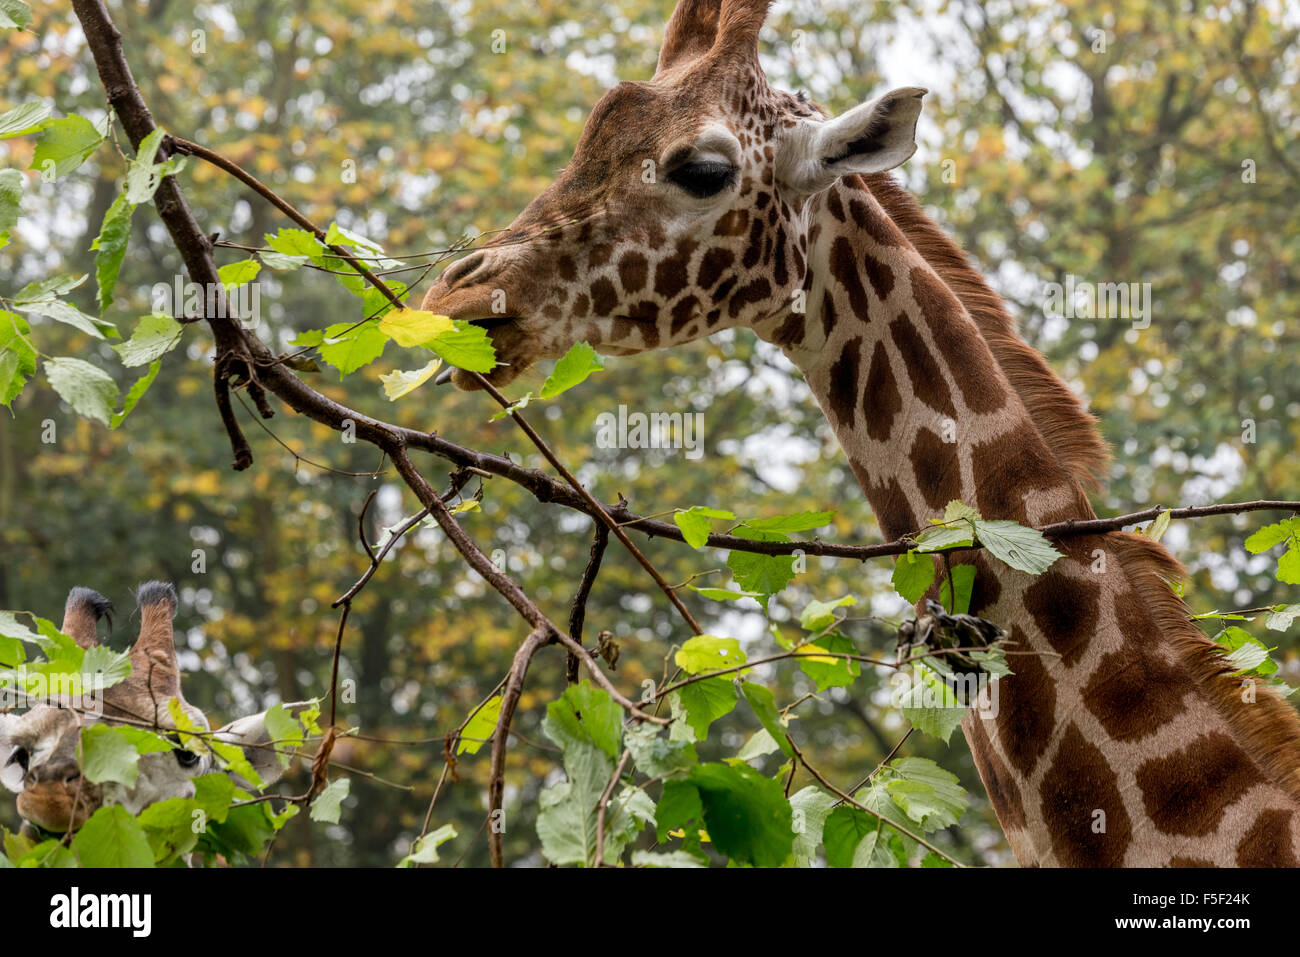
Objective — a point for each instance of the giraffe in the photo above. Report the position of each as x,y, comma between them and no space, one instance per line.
39,747
1121,739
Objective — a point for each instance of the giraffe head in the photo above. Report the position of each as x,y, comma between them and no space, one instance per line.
683,210
40,747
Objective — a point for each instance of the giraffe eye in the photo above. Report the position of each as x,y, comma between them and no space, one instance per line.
701,179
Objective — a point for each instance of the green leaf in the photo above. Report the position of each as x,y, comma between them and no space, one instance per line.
588,714
425,850
844,829
466,347
1159,525
700,703
172,827
930,705
11,197
69,315
666,859
295,243
17,357
1281,617
657,756
112,753
757,745
1268,536
913,576
136,393
22,119
67,142
810,807
245,830
765,574
1288,566
709,653
346,346
576,365
14,14
746,814
1023,548
697,522
925,792
327,805
784,524
110,246
481,727
819,615
829,672
1246,653
89,390
284,731
763,703
566,822
213,794
144,175
725,594
400,383
233,275
112,838
154,337
963,580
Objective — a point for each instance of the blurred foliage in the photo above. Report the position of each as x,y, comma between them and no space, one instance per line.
1118,162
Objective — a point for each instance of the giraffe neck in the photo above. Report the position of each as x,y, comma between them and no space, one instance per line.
1119,739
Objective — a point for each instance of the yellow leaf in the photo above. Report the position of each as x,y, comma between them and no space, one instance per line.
810,651
399,383
413,327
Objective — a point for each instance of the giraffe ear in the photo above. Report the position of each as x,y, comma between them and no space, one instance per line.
11,772
870,138
250,733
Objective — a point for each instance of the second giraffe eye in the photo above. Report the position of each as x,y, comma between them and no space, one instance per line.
703,179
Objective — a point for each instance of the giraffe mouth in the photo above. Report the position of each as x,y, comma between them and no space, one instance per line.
508,363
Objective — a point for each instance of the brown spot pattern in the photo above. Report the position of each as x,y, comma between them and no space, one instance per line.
959,342
844,267
1268,842
1187,792
923,372
1001,786
632,272
1065,610
844,382
1077,785
880,400
1026,707
1133,693
937,469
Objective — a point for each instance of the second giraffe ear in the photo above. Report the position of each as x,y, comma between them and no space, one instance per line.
870,138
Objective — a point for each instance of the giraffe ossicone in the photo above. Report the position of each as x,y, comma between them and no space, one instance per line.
40,745
704,199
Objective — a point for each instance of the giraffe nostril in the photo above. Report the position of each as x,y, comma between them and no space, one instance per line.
462,269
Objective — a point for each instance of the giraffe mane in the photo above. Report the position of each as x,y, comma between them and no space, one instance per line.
1270,726
1067,428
